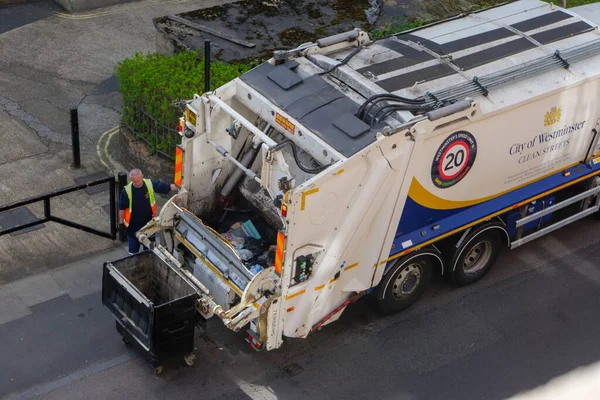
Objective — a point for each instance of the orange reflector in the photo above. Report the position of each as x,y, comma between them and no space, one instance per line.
283,210
178,165
290,309
279,252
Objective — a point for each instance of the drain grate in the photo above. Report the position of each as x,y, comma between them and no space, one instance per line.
294,369
18,216
93,177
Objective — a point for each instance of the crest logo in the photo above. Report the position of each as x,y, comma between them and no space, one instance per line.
552,117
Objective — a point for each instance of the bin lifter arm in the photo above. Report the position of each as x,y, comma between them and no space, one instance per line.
164,220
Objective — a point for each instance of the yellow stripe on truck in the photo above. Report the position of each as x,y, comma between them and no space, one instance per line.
291,296
517,205
308,192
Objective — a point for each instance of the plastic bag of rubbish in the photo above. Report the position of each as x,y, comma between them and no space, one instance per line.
254,245
256,269
267,258
237,242
245,254
230,235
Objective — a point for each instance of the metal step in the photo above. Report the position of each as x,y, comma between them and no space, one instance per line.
553,227
557,206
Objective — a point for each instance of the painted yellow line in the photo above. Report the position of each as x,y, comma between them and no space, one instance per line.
106,153
307,193
341,171
319,287
350,266
291,296
118,11
334,279
99,143
517,205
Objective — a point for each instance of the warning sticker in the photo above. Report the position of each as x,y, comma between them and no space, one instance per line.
285,123
190,116
454,159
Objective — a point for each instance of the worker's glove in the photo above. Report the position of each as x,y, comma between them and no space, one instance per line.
122,229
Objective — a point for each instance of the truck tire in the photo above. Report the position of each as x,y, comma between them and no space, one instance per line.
476,256
404,283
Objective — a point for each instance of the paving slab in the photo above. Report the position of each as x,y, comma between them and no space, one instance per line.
78,279
11,306
98,260
18,142
36,289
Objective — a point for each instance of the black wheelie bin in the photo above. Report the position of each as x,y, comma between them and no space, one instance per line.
153,305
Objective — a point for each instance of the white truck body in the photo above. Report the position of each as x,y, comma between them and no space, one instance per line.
454,155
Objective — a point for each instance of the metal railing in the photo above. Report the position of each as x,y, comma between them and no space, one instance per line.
48,217
144,126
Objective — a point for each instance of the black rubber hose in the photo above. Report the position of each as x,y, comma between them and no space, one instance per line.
344,61
295,154
386,97
397,107
369,108
389,112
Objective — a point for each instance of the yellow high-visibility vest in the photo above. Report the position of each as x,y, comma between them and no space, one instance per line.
128,211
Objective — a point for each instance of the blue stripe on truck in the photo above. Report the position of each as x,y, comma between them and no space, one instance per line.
414,238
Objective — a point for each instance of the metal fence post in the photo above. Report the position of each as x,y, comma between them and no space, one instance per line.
122,182
113,208
206,66
75,138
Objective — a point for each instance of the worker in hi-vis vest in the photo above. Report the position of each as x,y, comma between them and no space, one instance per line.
137,204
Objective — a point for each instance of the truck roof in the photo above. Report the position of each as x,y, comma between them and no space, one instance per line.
486,55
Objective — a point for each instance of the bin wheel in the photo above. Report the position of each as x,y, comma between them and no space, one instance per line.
126,341
189,359
158,370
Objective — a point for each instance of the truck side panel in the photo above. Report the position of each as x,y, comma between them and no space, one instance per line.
503,164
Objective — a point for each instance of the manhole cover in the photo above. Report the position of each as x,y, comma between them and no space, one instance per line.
18,216
91,178
294,369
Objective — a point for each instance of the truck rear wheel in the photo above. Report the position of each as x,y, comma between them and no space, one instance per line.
475,257
405,283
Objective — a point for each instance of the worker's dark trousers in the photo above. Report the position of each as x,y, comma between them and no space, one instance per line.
134,243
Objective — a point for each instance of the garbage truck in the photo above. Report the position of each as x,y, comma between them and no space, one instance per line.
349,166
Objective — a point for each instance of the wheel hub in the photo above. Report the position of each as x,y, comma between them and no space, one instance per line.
477,257
407,281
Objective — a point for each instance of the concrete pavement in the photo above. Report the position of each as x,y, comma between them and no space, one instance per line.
75,280
51,61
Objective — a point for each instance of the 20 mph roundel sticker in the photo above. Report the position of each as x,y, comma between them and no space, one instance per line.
454,159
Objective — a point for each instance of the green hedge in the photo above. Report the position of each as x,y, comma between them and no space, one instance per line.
154,82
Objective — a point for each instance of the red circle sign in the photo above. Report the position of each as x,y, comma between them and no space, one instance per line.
454,160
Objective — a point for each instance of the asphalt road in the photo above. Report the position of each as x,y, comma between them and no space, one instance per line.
534,317
14,16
